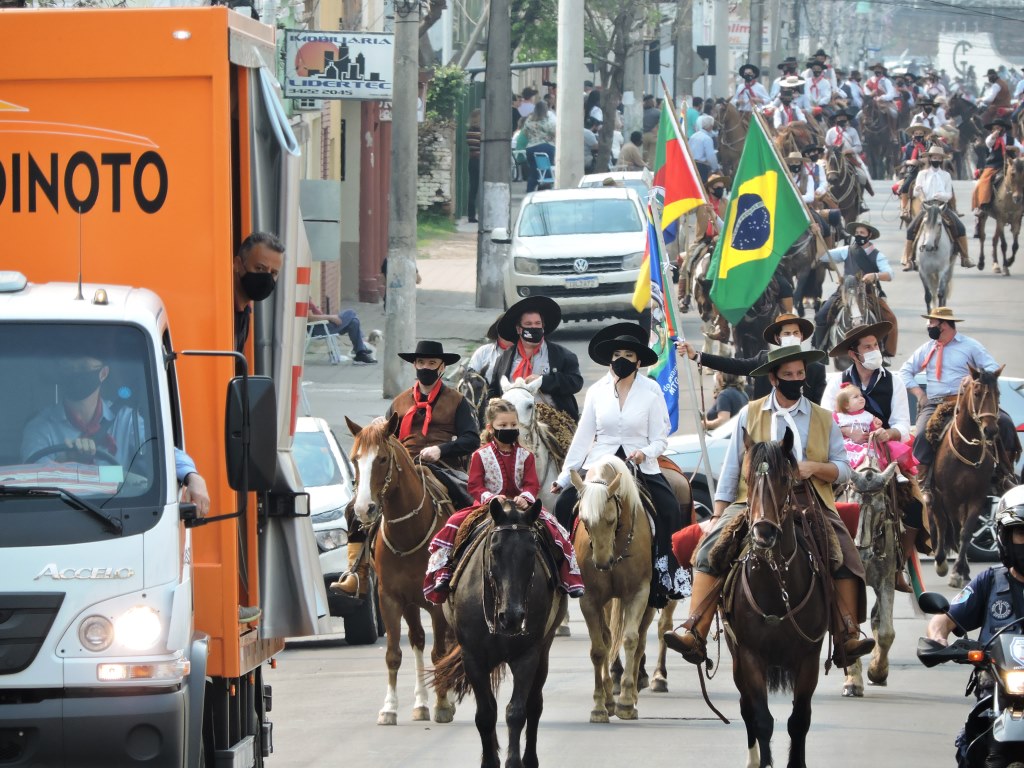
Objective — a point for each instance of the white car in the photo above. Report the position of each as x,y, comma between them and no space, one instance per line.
638,181
329,478
684,451
581,247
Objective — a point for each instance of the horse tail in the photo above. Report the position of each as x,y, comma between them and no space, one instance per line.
450,674
779,679
616,626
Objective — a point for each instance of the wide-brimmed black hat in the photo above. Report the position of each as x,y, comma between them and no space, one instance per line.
629,336
878,65
430,349
820,52
772,330
781,355
789,61
873,233
814,63
858,332
998,121
991,72
756,70
812,147
546,307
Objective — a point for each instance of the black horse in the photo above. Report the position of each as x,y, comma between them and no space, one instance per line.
505,609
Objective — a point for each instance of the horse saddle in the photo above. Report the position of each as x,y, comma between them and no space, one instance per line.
939,422
474,531
556,429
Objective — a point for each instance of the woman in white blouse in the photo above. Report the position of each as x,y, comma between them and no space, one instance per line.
625,414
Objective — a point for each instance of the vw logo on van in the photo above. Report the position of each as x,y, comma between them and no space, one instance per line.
580,266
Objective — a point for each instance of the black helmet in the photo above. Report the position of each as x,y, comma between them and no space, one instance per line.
1009,515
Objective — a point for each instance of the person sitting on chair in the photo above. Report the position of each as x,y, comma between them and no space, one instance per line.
935,185
343,322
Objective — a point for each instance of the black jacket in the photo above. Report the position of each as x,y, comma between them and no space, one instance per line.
561,384
814,387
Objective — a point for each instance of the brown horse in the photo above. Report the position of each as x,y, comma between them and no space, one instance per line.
842,183
879,139
962,470
613,549
1007,209
793,138
732,133
775,603
395,498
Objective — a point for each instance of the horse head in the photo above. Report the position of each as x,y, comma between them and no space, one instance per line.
608,488
1014,178
510,562
374,454
770,472
932,226
523,396
981,391
869,483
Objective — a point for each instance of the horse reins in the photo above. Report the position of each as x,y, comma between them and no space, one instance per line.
382,522
618,524
985,443
490,583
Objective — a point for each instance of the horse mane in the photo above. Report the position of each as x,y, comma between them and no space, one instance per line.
373,435
780,463
590,507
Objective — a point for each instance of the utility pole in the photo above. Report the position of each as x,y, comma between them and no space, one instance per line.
683,55
497,155
755,41
723,55
569,118
400,318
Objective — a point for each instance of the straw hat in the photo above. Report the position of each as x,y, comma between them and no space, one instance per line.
774,329
942,313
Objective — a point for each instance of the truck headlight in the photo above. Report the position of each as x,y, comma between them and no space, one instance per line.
138,628
526,266
1014,682
96,633
331,538
633,260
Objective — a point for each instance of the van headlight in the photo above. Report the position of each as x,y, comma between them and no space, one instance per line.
138,628
633,260
96,633
330,538
526,266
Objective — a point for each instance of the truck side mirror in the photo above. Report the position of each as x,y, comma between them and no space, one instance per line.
251,444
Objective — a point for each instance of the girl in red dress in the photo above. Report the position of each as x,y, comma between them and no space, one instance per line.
503,469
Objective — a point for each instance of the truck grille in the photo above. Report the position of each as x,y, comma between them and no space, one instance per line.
25,620
604,289
595,265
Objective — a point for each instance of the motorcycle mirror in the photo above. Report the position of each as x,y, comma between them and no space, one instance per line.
933,603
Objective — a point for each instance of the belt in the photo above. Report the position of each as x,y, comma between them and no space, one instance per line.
943,399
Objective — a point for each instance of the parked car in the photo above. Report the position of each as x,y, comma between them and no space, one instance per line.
638,181
329,478
582,247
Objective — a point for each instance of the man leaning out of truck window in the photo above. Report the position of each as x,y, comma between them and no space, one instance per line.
256,268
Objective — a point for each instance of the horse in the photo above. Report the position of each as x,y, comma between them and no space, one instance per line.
879,139
472,386
962,470
794,137
965,114
533,434
731,135
878,541
394,498
613,548
842,183
857,305
935,256
505,610
775,602
1007,208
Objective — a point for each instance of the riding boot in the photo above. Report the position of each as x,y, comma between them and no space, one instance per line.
905,207
356,580
849,645
965,259
692,644
907,542
908,256
924,482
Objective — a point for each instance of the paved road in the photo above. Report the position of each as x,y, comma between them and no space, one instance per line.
326,694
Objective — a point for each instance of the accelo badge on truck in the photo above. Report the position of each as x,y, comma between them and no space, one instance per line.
59,574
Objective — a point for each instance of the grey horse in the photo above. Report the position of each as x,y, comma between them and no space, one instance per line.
935,257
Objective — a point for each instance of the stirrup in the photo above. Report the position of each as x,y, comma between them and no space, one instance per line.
676,642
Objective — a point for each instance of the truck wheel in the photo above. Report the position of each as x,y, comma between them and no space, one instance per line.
362,625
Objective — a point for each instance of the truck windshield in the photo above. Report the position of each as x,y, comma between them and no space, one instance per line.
79,418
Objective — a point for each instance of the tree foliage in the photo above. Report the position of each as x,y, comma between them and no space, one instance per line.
447,87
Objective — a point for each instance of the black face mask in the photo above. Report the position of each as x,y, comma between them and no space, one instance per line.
79,385
507,436
427,376
934,332
748,77
992,79
935,163
927,110
258,285
860,239
718,192
532,335
790,389
622,367
919,139
794,168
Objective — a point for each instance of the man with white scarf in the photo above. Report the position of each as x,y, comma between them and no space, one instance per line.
821,457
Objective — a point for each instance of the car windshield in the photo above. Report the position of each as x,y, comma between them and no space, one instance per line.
315,460
79,416
579,217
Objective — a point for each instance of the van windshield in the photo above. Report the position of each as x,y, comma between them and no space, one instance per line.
78,415
580,217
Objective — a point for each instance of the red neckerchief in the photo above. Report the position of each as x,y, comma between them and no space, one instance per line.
716,204
789,114
420,404
814,83
525,367
92,427
917,148
839,137
874,83
938,359
999,144
749,88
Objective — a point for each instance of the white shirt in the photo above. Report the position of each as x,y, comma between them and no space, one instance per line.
816,171
848,138
641,424
829,73
886,91
777,86
819,91
991,91
742,98
934,184
856,95
702,148
807,191
1019,90
483,358
933,121
899,416
781,117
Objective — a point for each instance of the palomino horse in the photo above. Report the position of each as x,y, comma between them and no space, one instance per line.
962,470
1007,208
393,498
879,139
504,611
524,397
775,603
935,256
842,183
857,305
732,133
613,548
878,541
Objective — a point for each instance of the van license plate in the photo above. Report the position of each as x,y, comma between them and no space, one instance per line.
577,283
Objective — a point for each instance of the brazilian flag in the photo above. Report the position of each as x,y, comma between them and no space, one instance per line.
764,218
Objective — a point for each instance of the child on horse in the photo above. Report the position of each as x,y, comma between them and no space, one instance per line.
504,469
855,421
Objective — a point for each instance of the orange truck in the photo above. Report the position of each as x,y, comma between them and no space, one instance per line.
138,148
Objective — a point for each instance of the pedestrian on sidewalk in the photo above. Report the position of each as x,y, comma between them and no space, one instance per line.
473,137
343,322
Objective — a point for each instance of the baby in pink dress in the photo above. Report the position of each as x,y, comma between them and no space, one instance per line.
855,423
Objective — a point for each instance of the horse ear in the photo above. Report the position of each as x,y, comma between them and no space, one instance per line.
354,428
889,472
999,372
497,510
393,424
533,512
534,386
614,484
577,481
747,442
975,373
787,441
505,383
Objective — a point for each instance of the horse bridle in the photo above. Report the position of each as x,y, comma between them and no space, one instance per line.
381,522
489,581
985,443
618,525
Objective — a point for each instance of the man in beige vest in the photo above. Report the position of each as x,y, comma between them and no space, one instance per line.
818,446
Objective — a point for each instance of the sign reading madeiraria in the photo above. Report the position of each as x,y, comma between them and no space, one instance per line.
338,65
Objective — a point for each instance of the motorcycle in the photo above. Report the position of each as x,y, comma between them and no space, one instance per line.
993,736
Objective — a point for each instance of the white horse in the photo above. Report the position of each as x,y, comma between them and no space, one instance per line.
935,257
524,397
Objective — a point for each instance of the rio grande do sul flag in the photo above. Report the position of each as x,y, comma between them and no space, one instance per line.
675,177
764,218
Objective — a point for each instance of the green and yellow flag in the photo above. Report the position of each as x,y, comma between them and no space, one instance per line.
764,218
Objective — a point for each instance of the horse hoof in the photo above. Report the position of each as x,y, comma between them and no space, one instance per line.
996,270
956,581
643,682
878,678
659,685
853,692
387,718
444,714
599,716
562,631
420,713
941,568
626,713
